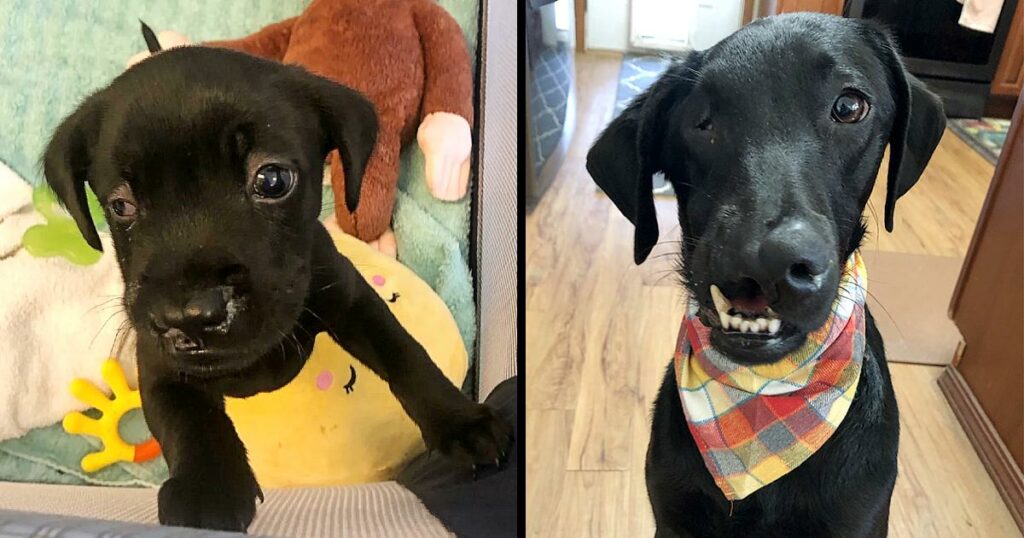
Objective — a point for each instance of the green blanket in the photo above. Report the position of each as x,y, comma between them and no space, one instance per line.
57,52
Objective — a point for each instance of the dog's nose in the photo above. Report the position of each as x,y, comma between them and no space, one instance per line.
794,256
205,311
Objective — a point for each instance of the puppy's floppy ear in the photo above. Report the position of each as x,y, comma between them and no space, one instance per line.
348,120
626,156
916,130
67,160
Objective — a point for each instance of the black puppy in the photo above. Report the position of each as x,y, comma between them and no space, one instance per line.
208,164
772,140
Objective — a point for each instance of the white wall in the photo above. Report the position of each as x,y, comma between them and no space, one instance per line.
715,20
607,25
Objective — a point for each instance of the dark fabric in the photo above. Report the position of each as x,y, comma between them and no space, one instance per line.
484,506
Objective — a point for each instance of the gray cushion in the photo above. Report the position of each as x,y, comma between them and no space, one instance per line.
370,510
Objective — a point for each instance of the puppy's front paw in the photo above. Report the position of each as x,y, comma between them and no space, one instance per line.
189,501
474,435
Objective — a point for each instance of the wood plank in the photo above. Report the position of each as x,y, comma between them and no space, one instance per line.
996,458
547,434
942,489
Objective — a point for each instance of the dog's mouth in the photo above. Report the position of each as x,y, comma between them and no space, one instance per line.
211,354
198,359
748,313
744,325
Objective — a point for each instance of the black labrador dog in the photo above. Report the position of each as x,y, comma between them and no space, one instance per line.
208,164
772,140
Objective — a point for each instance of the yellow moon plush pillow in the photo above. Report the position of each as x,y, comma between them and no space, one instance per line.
337,422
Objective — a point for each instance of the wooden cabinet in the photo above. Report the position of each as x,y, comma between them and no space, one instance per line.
835,7
984,385
1009,76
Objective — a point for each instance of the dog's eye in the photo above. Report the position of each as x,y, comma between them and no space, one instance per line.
123,209
705,124
849,107
273,181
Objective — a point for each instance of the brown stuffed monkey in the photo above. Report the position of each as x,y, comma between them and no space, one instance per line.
410,59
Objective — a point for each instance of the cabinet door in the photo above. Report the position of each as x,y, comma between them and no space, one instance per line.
1010,74
987,305
834,7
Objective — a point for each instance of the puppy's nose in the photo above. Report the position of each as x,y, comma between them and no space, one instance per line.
794,257
205,311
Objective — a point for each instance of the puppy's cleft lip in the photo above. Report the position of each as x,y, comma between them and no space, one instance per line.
180,342
745,314
233,304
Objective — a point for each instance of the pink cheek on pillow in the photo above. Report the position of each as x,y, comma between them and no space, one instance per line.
378,280
324,380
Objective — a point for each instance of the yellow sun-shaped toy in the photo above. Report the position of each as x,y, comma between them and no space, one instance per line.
125,399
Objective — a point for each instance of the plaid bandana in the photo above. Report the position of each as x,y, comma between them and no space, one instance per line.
754,424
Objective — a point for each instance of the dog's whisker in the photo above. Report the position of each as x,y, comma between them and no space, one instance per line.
102,303
123,330
103,325
326,326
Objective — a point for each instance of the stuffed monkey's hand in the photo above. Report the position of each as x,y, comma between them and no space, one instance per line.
168,39
446,143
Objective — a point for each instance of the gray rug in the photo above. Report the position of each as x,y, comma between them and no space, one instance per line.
549,98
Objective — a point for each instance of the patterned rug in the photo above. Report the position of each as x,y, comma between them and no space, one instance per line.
549,98
985,135
637,74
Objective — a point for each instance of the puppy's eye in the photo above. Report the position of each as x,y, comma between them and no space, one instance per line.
850,107
273,181
706,125
123,210
122,205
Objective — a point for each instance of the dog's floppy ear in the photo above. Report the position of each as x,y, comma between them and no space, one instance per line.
67,160
916,130
626,156
348,120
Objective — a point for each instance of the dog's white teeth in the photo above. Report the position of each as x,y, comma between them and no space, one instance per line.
721,303
769,323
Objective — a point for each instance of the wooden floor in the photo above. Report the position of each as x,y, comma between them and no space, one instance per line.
599,332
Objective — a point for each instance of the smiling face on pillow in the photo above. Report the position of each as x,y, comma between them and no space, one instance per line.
337,422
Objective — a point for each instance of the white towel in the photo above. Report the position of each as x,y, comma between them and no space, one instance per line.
57,320
980,15
15,205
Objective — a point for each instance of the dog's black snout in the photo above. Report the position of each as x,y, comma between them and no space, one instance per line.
794,256
205,311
